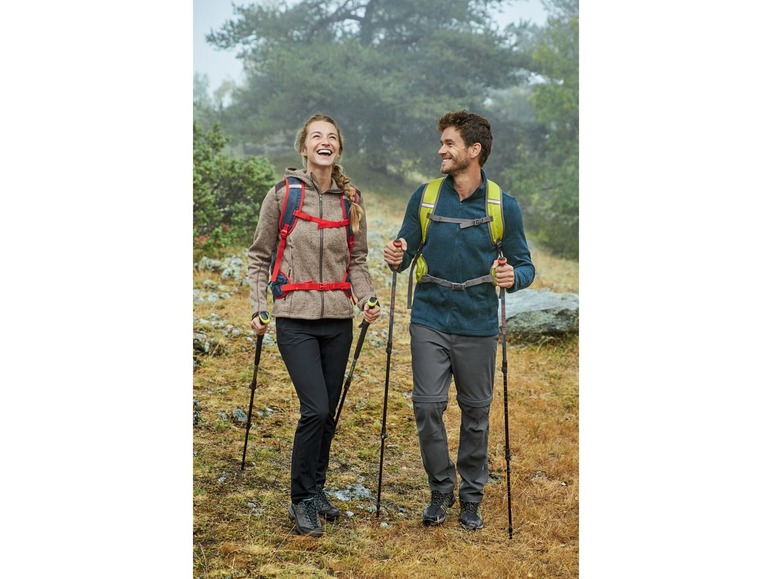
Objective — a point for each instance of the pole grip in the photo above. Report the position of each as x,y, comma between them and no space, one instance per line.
394,268
372,302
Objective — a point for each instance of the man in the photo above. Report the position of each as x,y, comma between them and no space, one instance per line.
454,320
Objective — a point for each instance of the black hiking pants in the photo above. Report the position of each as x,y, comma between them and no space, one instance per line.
315,353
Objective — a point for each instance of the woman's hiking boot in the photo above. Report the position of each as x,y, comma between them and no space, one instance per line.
306,518
437,509
324,507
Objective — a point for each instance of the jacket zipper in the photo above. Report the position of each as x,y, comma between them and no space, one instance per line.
321,247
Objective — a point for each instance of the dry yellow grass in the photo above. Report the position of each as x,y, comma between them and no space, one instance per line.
241,526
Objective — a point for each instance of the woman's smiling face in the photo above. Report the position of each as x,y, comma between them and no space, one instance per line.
322,145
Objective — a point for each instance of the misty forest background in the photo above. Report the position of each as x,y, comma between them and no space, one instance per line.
387,71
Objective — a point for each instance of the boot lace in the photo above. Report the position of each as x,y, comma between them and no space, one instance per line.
310,508
323,501
439,499
469,508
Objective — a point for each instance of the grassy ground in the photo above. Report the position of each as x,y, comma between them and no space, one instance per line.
241,527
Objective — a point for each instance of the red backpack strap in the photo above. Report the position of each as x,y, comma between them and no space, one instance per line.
317,286
321,223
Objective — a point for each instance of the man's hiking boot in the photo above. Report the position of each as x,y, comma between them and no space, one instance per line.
324,507
437,509
470,516
306,518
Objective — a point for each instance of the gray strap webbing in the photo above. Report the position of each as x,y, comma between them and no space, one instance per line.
463,223
456,286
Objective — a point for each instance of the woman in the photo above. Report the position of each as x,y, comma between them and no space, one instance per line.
315,275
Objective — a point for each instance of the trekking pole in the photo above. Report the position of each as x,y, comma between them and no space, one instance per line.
372,302
264,318
502,294
398,244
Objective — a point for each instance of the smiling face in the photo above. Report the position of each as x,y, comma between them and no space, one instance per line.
453,151
321,147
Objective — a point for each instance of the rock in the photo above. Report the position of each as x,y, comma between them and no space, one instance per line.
350,493
265,412
239,415
233,268
535,315
209,264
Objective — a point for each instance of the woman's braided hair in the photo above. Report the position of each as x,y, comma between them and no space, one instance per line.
356,212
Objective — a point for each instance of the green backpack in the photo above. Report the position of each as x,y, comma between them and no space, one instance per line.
494,219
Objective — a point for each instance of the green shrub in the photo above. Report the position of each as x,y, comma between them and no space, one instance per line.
227,192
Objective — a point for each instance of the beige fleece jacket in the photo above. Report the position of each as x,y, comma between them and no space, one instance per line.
310,254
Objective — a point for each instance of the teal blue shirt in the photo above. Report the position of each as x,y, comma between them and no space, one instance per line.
458,255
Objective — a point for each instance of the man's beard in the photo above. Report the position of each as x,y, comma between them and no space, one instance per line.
456,166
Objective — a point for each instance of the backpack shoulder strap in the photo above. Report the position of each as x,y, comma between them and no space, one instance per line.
294,193
428,202
493,206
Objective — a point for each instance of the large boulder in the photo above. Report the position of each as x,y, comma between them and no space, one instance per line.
538,315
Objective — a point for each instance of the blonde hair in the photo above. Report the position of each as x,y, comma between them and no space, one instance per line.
356,212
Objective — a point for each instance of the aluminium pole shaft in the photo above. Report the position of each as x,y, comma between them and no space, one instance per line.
264,318
372,302
386,386
502,294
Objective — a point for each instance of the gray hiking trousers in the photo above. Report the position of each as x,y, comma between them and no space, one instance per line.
471,362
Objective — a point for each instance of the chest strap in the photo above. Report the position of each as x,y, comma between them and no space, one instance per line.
321,223
462,223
